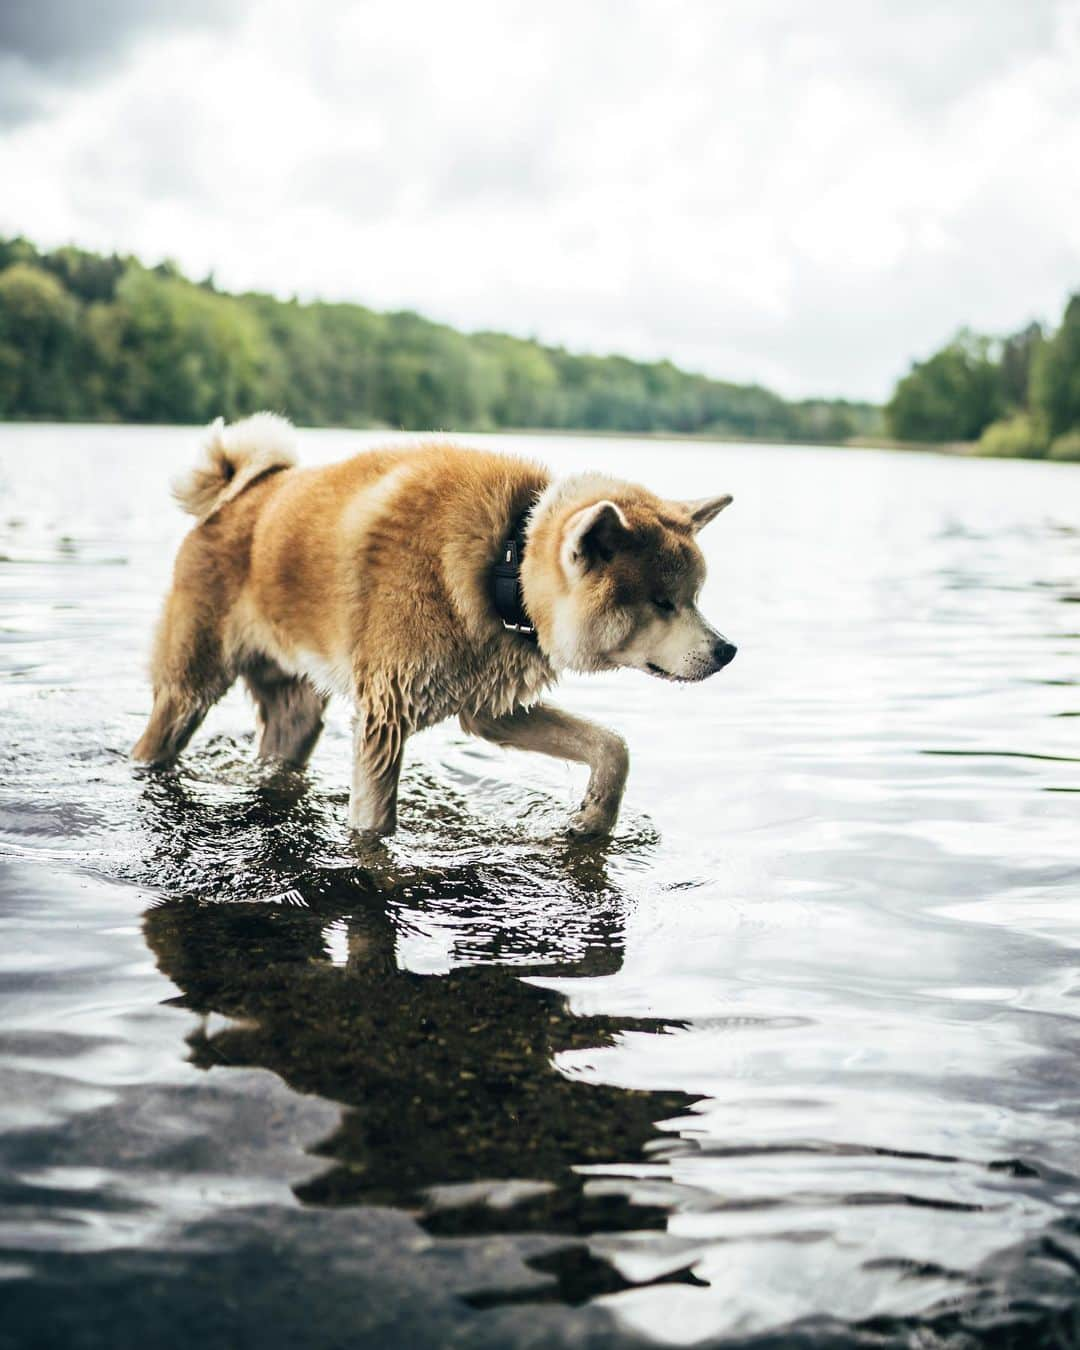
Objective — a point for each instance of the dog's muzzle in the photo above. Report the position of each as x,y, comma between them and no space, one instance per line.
721,655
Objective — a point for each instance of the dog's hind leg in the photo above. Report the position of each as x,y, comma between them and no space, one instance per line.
290,712
549,731
189,674
176,716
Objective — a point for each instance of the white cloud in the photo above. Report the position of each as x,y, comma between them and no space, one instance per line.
803,195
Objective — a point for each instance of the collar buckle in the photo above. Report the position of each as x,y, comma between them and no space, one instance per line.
506,583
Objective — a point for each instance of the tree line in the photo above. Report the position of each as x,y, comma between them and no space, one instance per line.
92,338
1018,395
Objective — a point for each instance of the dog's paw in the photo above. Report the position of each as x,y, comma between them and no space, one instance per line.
591,821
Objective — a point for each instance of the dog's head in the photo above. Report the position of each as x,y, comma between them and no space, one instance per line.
616,580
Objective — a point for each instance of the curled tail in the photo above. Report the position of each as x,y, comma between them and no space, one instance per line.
232,458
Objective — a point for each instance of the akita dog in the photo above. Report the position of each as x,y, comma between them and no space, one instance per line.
421,583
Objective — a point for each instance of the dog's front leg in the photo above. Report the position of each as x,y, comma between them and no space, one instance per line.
550,731
377,754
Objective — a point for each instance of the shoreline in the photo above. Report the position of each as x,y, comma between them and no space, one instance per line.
957,449
600,433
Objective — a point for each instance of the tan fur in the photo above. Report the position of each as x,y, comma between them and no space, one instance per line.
233,457
372,578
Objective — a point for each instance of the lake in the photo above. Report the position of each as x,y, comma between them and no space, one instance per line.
794,1058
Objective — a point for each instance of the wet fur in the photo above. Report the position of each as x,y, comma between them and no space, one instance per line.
371,578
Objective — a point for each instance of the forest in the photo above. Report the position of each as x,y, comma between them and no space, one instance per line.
1017,396
87,337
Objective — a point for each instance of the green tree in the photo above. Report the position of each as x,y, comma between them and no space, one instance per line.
1055,377
952,396
182,353
1018,355
38,341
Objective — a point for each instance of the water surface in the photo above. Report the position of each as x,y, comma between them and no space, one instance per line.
793,1058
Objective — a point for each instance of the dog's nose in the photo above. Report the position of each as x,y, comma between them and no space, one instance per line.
724,653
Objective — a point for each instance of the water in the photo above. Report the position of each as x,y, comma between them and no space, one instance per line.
793,1058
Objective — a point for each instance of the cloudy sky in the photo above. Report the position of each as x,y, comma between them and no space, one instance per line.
805,195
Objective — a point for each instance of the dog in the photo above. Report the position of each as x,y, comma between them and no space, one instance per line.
421,583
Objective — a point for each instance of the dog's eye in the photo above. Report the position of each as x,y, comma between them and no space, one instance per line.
663,605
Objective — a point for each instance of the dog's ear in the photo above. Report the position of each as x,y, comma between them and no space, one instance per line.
704,509
590,536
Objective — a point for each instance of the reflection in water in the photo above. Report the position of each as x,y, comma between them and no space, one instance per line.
455,1107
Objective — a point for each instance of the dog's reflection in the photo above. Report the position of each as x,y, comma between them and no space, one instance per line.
454,1107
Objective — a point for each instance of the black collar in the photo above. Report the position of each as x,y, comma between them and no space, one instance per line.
509,600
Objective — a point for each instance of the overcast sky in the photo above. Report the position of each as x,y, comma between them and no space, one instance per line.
808,195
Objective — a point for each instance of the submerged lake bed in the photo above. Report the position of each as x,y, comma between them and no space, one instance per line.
791,1059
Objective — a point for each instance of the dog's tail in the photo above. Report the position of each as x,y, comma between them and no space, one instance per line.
232,458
